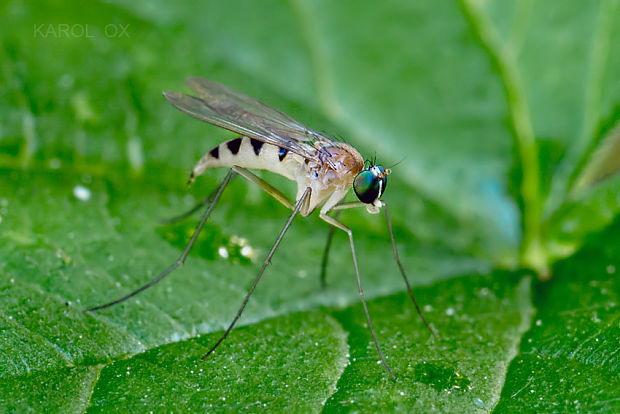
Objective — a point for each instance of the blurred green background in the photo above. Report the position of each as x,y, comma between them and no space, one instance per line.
497,119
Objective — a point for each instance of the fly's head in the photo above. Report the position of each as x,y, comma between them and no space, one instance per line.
369,186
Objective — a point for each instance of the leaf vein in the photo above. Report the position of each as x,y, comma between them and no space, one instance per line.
504,57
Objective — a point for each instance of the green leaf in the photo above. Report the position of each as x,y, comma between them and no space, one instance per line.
254,376
487,113
464,371
569,359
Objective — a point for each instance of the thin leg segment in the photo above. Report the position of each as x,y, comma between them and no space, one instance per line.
336,223
248,175
328,245
330,235
348,205
183,256
301,201
208,199
355,204
402,272
268,188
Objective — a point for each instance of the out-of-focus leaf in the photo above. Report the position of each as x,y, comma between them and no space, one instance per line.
559,60
604,163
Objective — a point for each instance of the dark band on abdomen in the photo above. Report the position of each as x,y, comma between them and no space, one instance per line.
233,145
257,145
282,153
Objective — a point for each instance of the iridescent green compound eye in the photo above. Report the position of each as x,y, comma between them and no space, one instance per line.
370,184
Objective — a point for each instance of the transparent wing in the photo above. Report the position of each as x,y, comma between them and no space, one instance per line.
201,110
221,106
244,107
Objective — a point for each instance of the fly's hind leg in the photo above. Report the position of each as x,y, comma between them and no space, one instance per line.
265,186
181,259
268,188
208,199
212,199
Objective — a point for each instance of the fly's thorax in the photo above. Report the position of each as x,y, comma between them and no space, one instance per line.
336,168
332,175
340,157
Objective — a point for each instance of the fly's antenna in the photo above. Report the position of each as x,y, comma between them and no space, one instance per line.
401,160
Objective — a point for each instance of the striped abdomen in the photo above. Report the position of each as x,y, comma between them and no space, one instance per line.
250,153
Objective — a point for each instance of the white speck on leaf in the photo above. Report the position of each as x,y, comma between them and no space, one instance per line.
81,193
479,403
246,251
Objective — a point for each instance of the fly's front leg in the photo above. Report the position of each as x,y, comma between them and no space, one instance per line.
330,236
348,205
355,204
328,245
335,223
402,272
